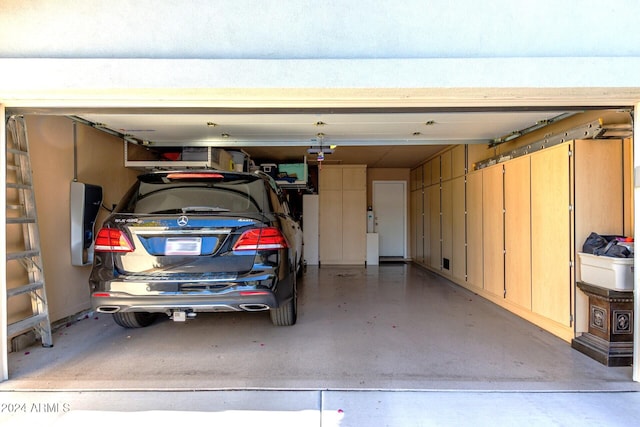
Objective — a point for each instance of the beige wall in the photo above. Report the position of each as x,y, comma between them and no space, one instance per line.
100,162
383,174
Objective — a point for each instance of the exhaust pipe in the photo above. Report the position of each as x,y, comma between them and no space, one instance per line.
108,309
254,307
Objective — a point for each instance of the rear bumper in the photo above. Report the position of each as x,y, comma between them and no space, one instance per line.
252,301
262,289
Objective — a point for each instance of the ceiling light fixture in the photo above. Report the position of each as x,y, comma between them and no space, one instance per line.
319,150
211,124
320,123
430,123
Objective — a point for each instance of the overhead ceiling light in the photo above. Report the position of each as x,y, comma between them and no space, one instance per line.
430,123
212,124
320,123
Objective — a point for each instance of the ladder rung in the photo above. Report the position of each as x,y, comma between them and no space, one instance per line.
19,186
21,220
16,151
21,255
25,324
35,286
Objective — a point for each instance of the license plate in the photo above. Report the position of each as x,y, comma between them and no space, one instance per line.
183,246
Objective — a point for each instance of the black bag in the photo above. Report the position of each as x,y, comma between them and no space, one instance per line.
605,246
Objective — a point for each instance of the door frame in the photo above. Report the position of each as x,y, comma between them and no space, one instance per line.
405,236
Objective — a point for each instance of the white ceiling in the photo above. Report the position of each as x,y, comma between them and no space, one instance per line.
378,139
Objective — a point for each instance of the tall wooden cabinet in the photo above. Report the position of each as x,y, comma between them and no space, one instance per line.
551,231
517,231
343,209
511,231
417,215
493,229
473,232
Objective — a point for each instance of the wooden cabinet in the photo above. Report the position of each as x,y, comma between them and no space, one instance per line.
475,265
426,227
458,161
445,165
517,231
434,165
551,286
426,174
511,231
493,230
343,206
417,226
413,179
417,178
446,224
458,232
433,194
453,231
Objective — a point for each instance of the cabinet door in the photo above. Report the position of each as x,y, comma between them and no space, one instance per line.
330,226
413,179
435,170
551,234
354,178
434,227
493,229
426,227
426,174
459,262
458,161
474,230
517,231
330,178
354,227
445,165
446,200
417,244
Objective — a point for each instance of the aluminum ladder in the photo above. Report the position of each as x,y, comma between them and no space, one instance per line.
22,218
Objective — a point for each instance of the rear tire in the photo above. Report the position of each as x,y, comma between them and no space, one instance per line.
287,313
300,267
134,319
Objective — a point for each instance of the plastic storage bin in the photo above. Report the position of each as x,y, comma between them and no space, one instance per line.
293,171
271,169
607,272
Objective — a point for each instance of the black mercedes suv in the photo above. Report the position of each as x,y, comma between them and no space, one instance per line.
183,242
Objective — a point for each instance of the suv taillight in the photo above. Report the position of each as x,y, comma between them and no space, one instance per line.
267,238
112,240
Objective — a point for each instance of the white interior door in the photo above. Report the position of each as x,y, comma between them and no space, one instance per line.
390,210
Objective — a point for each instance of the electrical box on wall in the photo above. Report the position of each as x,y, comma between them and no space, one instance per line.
85,201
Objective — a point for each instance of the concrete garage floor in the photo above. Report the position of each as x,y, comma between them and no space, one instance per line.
387,345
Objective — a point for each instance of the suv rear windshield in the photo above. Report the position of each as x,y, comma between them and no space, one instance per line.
206,193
